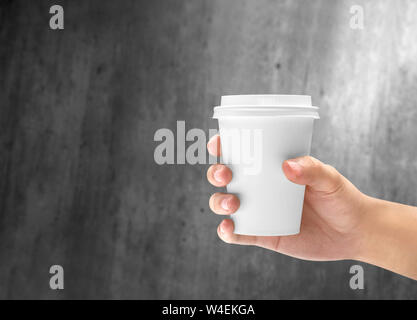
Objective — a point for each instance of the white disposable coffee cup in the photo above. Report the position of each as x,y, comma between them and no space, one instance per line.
258,133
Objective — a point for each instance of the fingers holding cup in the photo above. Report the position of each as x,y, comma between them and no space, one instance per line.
219,175
224,203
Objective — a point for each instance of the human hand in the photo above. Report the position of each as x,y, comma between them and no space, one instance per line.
333,212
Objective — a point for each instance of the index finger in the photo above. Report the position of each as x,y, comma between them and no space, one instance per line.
213,146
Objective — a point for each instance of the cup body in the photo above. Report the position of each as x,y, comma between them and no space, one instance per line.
254,147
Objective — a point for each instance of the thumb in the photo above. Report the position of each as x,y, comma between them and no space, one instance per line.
312,172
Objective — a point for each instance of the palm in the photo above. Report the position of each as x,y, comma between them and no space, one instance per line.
327,227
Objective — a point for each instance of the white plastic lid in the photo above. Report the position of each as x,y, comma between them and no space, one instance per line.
266,99
266,106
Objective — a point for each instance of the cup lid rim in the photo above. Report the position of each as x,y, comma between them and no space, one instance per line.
270,107
266,99
225,112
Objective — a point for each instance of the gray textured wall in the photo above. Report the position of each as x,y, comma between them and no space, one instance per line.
79,107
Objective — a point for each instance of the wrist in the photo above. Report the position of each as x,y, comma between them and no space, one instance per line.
362,236
369,230
386,236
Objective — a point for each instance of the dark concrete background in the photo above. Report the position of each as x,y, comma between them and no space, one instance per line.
79,107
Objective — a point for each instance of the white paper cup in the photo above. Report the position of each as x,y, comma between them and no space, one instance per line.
258,133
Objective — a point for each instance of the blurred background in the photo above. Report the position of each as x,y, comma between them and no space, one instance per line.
79,107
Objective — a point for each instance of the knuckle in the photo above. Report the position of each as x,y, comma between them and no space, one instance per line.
331,169
333,172
311,162
336,177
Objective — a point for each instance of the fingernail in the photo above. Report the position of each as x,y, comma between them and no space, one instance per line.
294,165
221,228
226,203
218,174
